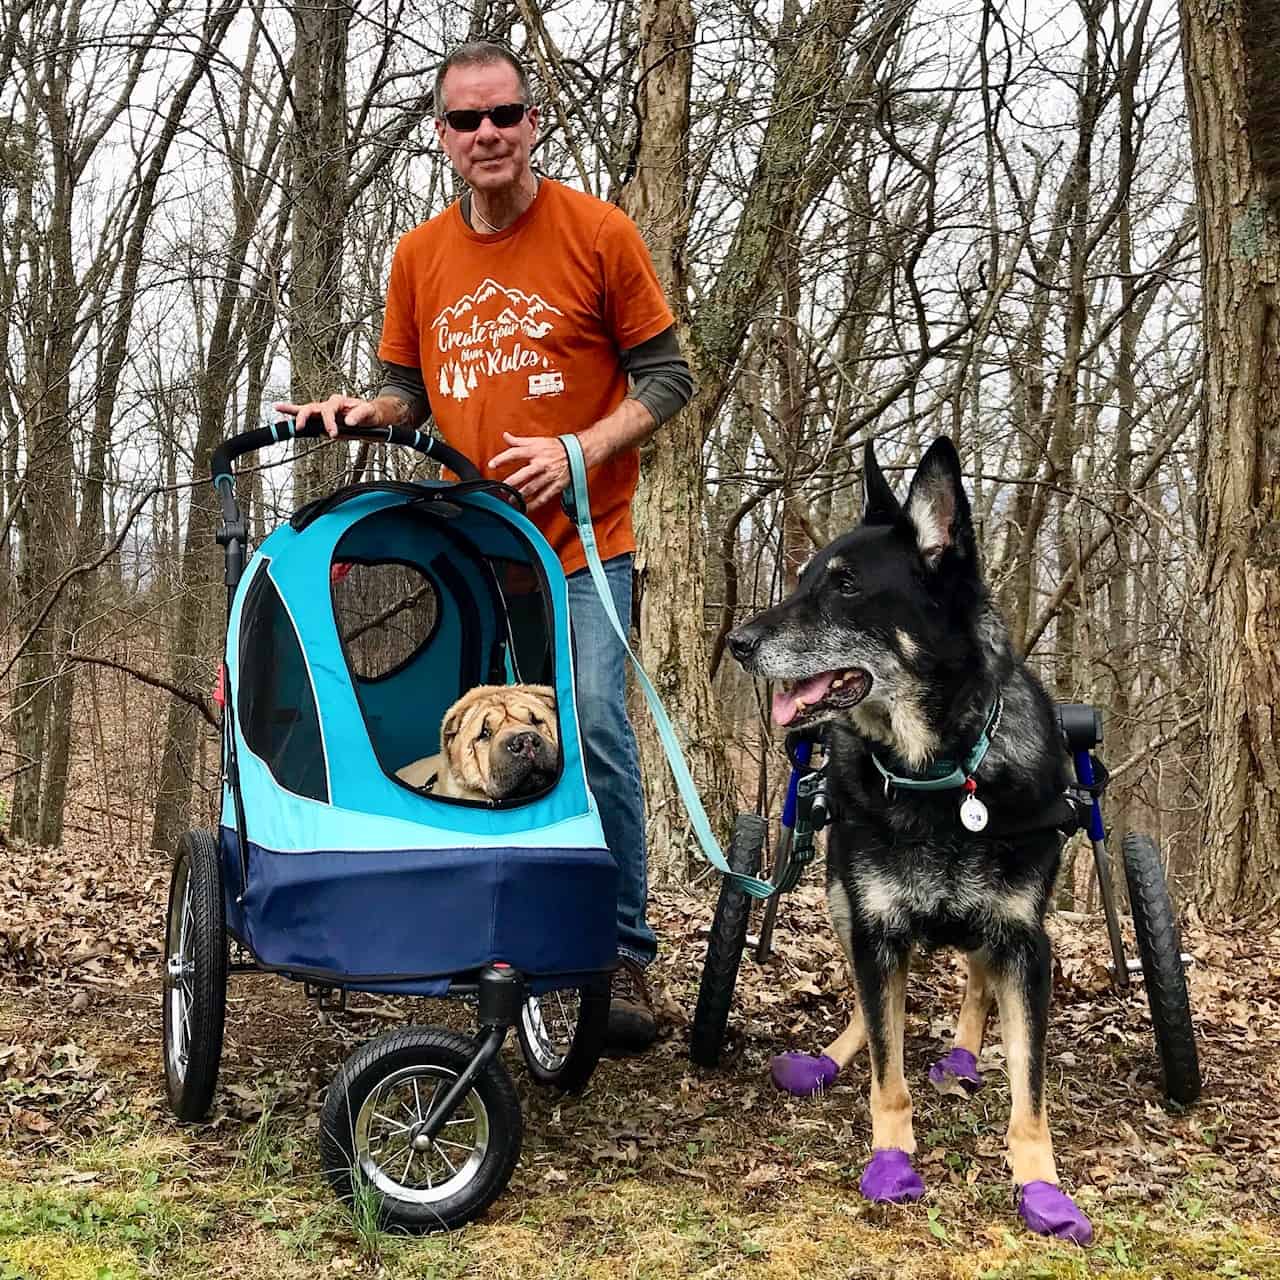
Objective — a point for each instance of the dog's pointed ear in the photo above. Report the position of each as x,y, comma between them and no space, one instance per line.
879,506
939,508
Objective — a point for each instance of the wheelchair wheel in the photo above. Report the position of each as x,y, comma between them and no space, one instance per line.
195,976
371,1142
1160,948
562,1034
724,947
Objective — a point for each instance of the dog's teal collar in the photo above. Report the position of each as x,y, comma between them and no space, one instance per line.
944,775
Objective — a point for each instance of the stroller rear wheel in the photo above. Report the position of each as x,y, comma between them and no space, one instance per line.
372,1138
195,976
562,1034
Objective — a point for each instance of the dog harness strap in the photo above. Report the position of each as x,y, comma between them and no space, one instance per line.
578,507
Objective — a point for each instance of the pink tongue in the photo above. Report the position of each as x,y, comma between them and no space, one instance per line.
786,701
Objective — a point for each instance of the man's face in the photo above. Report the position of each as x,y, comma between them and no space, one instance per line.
489,159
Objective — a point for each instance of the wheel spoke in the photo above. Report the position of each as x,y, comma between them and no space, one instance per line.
452,1167
566,1022
395,1125
445,1142
387,1152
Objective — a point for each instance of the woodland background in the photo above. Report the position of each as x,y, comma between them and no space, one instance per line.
1048,231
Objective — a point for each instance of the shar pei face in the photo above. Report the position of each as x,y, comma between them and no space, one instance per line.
497,742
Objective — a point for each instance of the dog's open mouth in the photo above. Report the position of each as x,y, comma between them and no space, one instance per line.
815,695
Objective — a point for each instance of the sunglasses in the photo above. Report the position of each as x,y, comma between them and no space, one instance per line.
503,117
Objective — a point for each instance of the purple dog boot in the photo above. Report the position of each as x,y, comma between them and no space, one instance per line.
890,1179
956,1073
1048,1209
803,1074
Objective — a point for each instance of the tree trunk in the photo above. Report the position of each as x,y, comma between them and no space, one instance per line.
89,532
1231,58
318,196
48,504
671,556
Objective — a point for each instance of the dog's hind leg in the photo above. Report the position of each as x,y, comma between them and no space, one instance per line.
1022,989
882,994
805,1074
851,1041
958,1072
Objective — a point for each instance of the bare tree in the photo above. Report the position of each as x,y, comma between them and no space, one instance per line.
1237,172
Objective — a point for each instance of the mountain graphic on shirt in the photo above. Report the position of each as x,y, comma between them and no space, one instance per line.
496,310
491,333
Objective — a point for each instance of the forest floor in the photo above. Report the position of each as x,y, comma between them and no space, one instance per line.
659,1169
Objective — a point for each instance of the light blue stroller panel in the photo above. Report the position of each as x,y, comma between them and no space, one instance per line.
351,871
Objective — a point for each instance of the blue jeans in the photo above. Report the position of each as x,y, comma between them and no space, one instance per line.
609,742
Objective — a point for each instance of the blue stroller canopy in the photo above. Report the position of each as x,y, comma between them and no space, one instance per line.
349,637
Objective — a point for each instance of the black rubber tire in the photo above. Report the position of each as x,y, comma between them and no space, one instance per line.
1160,948
574,1068
192,1046
724,947
419,1055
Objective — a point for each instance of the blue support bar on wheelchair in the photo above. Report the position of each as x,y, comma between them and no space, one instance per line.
1085,777
803,750
580,514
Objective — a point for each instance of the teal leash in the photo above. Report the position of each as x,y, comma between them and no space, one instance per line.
580,514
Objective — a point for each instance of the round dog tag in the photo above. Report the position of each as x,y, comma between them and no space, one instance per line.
973,814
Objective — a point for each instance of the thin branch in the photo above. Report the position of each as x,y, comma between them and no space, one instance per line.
156,682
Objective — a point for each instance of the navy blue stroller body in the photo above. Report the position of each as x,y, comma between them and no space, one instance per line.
352,630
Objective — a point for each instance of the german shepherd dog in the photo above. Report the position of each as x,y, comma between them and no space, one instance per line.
891,642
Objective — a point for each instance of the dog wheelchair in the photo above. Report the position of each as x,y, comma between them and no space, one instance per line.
350,631
1160,960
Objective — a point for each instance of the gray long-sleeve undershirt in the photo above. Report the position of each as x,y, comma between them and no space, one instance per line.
660,379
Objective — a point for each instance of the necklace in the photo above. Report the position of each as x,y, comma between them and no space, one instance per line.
484,222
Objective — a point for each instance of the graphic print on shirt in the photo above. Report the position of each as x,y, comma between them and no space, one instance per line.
491,333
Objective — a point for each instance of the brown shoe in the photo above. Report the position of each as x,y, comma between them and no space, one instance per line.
632,1024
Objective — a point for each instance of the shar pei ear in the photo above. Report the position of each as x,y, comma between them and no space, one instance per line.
452,724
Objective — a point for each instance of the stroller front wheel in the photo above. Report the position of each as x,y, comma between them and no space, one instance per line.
562,1034
372,1139
195,976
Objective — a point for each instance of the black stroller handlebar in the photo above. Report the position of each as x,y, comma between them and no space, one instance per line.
286,429
233,535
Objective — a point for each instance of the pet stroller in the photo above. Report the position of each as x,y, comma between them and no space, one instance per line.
350,632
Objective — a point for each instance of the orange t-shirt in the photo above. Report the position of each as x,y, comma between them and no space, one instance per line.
521,332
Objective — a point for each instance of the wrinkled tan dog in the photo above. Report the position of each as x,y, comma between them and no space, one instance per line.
497,742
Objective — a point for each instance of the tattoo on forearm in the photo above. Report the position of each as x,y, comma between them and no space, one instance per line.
401,412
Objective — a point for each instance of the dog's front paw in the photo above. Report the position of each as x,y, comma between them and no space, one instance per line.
956,1073
803,1074
890,1178
1048,1209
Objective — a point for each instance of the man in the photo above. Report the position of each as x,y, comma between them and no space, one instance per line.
520,313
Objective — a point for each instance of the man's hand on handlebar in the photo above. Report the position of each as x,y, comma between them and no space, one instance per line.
355,412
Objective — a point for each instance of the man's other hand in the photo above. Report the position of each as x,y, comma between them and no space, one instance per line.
542,467
354,411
